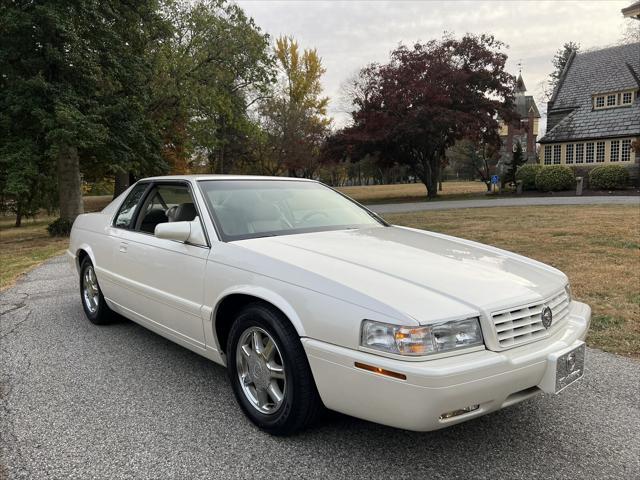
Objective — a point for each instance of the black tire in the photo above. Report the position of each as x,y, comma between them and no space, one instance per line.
301,404
101,314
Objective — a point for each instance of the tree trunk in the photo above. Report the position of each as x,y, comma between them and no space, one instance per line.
18,214
432,189
221,161
69,184
431,178
122,182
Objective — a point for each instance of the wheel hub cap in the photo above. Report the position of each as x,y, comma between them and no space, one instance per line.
90,290
258,372
261,370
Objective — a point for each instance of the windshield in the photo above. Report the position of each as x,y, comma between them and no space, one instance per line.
260,208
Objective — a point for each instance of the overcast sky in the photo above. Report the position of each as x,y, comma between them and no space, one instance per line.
350,34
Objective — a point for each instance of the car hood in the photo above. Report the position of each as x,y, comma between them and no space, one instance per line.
427,276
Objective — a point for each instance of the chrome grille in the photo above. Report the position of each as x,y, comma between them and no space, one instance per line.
524,324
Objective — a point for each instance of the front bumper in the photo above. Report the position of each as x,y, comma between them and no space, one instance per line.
491,380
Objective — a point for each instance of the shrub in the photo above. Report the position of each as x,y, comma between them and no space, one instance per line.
60,228
608,177
555,178
527,173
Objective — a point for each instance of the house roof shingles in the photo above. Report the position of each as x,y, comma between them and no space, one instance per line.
602,71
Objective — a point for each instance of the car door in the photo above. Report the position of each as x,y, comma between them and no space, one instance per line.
109,265
160,281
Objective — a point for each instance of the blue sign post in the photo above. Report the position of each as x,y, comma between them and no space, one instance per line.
495,180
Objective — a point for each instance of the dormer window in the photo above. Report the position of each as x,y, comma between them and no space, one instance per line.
612,100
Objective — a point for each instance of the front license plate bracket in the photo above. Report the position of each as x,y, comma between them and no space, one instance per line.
563,369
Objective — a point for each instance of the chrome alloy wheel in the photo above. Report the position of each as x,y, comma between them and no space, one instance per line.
261,370
90,290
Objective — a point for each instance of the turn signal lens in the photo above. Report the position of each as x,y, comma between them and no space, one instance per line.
418,341
381,371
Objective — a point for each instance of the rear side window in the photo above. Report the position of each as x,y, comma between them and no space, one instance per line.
128,208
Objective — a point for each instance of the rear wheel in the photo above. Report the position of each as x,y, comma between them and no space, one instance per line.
95,308
269,371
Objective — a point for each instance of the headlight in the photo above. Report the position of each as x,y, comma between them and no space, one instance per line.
416,341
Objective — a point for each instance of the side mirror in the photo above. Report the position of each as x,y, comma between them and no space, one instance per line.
182,231
179,231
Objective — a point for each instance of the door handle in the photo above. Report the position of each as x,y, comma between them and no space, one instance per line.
123,247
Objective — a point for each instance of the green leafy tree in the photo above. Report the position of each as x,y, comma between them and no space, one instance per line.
208,75
75,86
516,161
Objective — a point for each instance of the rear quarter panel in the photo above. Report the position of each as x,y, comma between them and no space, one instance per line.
89,234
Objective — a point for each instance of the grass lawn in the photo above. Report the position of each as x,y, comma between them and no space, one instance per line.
26,247
96,203
598,247
412,192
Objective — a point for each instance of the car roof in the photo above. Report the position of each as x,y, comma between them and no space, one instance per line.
225,177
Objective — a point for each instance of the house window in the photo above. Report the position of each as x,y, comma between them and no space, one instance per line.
547,154
589,155
626,150
612,100
579,152
568,154
615,150
556,154
600,152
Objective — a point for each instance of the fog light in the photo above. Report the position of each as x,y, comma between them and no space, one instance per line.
455,413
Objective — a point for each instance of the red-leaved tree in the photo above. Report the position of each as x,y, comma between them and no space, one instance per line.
412,109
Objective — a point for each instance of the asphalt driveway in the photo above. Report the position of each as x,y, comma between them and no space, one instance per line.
504,202
81,401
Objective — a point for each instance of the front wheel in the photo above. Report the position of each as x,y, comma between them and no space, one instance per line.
269,372
95,308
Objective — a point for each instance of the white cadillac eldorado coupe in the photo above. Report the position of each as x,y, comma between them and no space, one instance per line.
311,300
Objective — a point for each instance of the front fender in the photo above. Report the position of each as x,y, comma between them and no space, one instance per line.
263,294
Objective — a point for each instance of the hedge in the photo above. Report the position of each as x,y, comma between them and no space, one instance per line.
555,178
608,177
60,228
527,173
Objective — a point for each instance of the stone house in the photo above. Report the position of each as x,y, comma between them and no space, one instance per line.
593,117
